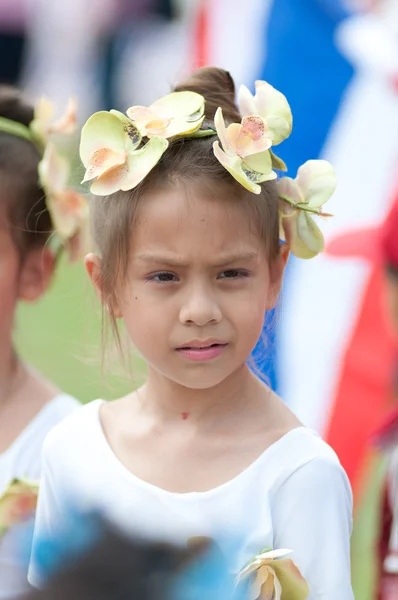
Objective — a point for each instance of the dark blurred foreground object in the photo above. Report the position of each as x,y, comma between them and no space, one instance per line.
90,559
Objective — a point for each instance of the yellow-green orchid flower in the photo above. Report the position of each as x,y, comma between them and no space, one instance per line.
68,209
271,105
44,125
299,199
17,503
245,150
176,114
274,577
109,151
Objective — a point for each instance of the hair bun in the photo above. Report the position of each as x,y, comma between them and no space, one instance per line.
218,89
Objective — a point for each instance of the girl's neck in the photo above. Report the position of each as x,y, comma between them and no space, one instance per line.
11,373
166,400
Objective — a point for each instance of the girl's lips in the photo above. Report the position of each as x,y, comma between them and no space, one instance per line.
203,353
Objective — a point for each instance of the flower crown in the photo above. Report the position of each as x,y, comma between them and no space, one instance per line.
67,207
119,151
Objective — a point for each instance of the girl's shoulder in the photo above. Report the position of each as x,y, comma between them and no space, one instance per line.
77,422
301,454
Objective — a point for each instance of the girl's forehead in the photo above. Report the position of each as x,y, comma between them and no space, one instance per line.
191,217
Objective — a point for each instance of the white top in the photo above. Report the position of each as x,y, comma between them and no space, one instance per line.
23,459
295,495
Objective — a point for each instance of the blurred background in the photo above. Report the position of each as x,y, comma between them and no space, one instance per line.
330,353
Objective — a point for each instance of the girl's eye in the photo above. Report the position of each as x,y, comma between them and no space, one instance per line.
163,277
233,274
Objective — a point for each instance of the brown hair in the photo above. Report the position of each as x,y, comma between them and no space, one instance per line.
185,161
26,212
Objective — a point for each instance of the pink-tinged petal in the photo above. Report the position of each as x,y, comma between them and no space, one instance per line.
66,125
69,211
293,584
233,164
103,160
179,105
141,115
317,182
221,129
141,162
110,182
126,177
261,581
157,127
289,190
246,102
53,170
253,137
261,164
102,130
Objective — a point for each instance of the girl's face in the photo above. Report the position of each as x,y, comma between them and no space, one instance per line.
198,286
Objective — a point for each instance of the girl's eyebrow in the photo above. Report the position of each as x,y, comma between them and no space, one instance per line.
177,261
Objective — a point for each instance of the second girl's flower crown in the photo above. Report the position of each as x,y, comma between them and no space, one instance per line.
68,208
119,151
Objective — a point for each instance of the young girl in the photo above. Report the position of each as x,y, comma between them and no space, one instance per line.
29,405
186,218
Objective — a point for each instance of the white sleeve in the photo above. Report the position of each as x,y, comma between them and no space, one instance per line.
312,516
48,516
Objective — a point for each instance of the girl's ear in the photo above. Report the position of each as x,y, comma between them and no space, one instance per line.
36,273
92,262
277,269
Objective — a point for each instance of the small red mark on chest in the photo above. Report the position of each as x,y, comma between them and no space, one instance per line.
184,416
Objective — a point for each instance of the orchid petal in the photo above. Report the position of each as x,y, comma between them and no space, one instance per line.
182,127
233,164
270,102
222,132
277,163
102,161
298,246
316,180
261,163
262,586
139,164
246,101
289,224
179,104
68,210
289,190
278,129
67,123
273,554
130,129
53,170
293,584
310,233
102,130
